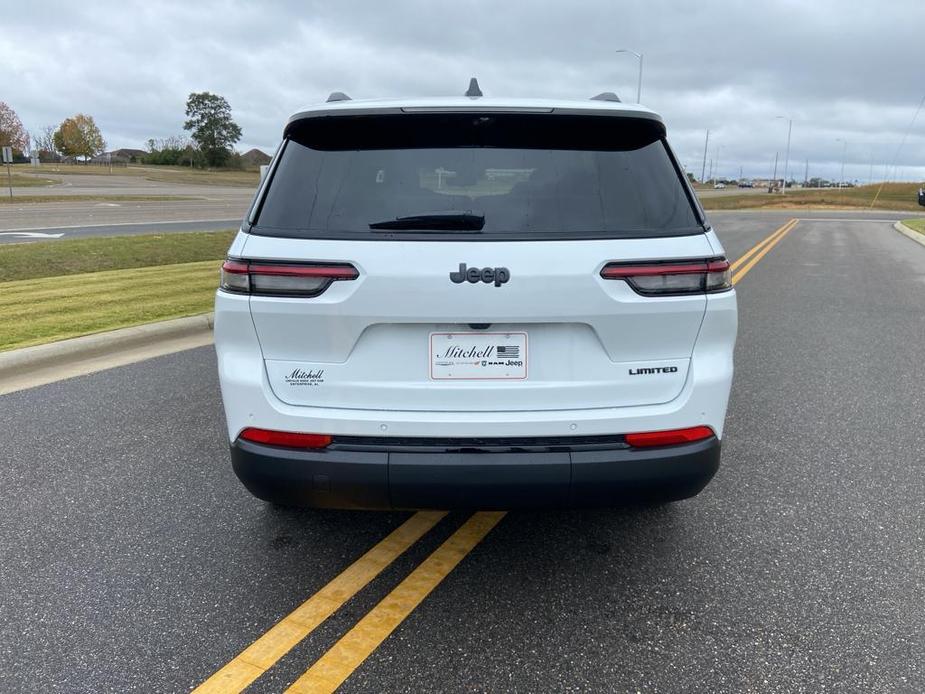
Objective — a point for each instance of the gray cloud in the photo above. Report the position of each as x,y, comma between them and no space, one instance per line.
840,70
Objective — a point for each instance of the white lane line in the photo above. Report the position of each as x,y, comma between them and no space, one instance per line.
31,235
235,221
846,219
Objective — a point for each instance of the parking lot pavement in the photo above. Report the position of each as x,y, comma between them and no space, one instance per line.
132,560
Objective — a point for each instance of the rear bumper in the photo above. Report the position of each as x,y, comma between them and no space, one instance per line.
451,479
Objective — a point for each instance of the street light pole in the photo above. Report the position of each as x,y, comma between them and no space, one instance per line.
639,78
783,189
703,171
844,155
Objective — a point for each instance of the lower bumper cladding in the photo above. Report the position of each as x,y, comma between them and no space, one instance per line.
579,472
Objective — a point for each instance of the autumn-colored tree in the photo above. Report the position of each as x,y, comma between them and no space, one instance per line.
209,119
12,134
79,137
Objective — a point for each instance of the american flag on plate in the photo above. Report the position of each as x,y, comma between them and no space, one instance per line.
508,352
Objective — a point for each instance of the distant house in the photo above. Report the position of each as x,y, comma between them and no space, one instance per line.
130,156
255,157
120,156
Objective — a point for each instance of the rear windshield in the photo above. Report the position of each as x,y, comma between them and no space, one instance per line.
485,176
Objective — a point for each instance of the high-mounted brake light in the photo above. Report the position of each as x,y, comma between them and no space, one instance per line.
672,277
671,437
285,438
283,279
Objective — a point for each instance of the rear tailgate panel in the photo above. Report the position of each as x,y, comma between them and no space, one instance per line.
588,337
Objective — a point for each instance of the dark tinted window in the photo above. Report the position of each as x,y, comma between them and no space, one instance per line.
538,176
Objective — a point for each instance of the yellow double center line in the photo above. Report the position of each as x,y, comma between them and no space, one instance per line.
759,250
254,660
339,662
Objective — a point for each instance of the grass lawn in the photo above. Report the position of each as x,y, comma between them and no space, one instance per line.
23,261
23,181
59,289
42,310
166,174
894,196
219,177
916,224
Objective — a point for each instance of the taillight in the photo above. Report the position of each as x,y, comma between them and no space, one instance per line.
671,437
283,279
672,277
285,438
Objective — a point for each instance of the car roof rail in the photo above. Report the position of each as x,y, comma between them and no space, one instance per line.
605,96
473,89
338,96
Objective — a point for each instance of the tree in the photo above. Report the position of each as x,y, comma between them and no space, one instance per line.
176,150
79,137
43,144
209,119
12,134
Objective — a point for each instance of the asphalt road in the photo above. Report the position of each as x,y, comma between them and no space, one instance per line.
75,219
117,229
132,559
206,207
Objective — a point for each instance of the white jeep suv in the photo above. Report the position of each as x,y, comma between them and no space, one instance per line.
475,302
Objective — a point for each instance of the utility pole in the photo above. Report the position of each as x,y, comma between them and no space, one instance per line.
8,159
806,174
703,170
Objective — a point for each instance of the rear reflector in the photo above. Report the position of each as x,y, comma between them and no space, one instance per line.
285,438
672,277
282,279
669,438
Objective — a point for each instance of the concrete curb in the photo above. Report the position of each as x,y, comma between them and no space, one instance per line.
911,233
18,362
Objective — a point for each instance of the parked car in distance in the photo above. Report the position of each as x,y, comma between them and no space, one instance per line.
475,302
719,186
922,196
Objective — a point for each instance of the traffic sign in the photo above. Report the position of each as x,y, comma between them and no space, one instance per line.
7,155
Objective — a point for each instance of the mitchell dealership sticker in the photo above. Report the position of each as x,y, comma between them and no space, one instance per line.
301,377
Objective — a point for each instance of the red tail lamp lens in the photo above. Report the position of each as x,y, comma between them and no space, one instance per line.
671,437
286,438
676,277
283,279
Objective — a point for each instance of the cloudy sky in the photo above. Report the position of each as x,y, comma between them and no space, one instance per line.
851,71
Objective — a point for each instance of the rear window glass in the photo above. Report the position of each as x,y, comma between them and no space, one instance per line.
521,177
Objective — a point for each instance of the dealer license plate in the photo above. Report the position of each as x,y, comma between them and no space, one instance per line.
478,356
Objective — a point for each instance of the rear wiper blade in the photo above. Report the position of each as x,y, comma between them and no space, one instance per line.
436,221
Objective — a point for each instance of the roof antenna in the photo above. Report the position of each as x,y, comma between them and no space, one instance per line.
473,89
338,96
605,96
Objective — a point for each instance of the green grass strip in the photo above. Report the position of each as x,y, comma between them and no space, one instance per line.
36,311
22,261
916,224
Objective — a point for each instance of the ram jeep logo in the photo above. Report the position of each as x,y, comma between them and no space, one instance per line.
642,371
498,275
